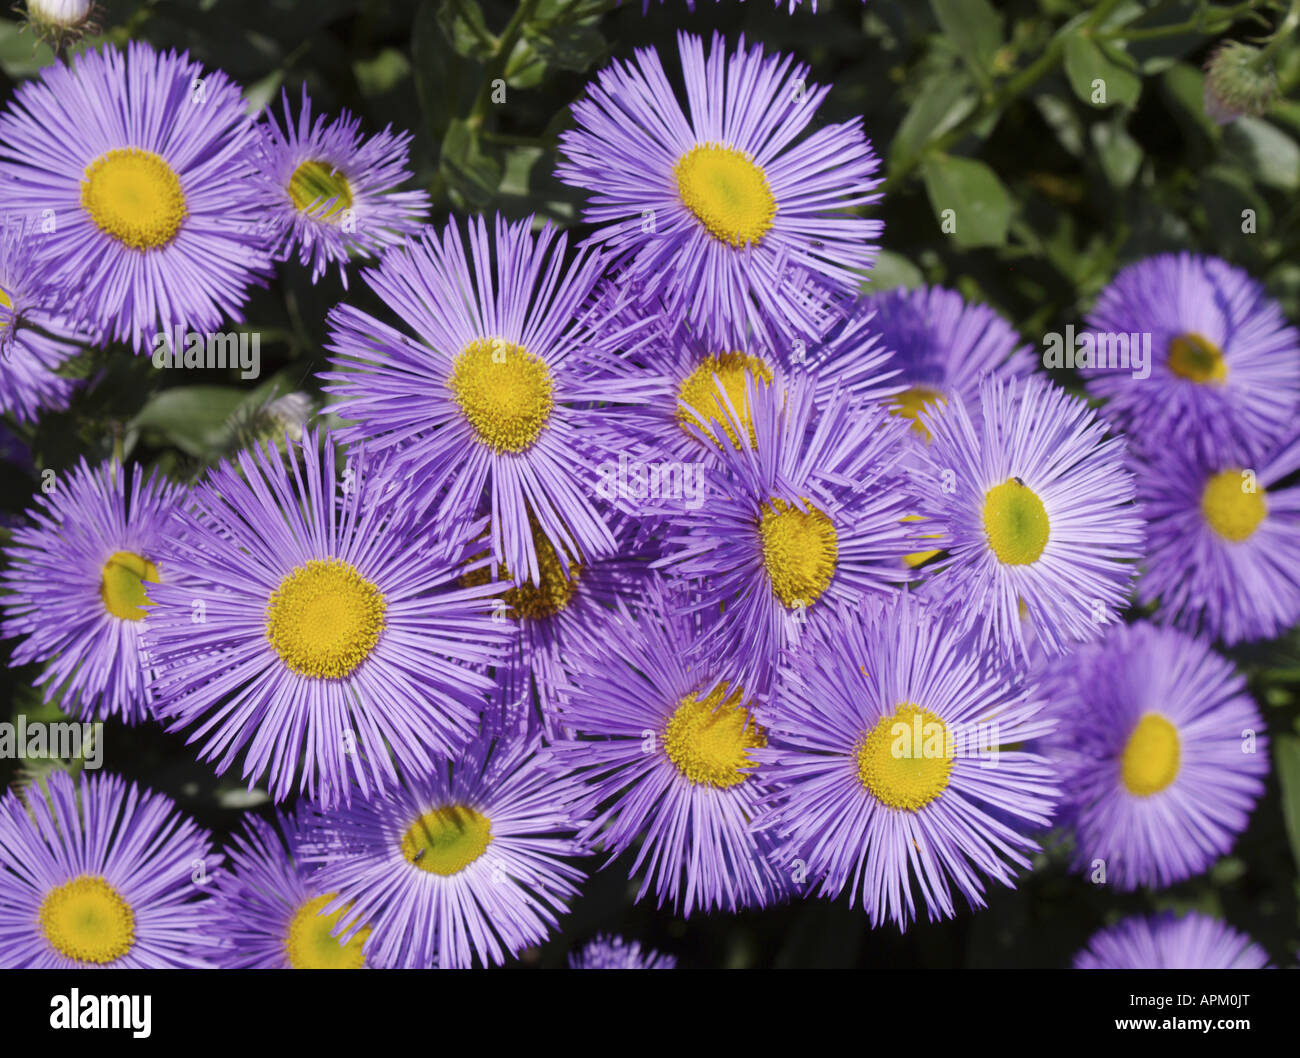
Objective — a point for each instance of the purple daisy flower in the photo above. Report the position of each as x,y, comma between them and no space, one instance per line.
35,336
331,193
807,519
315,623
493,396
728,214
1034,508
1223,545
94,874
887,740
663,738
1225,365
1167,942
469,862
268,909
944,346
145,162
1162,750
79,584
605,952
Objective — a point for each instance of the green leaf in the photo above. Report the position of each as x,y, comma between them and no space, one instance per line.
382,73
465,29
1119,153
20,54
1102,75
980,203
975,30
891,270
944,100
1265,151
468,170
575,47
1286,756
195,419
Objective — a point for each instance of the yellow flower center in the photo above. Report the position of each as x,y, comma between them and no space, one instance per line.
86,919
122,585
709,738
324,619
7,302
504,391
1150,759
700,403
1015,522
800,549
535,601
920,558
310,945
446,840
134,196
1194,357
906,759
1231,511
909,403
316,183
727,191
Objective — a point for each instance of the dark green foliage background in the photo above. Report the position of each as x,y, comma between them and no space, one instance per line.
971,106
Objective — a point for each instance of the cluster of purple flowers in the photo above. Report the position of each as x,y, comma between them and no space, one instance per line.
672,545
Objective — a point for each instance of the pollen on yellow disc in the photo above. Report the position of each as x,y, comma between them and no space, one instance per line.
7,302
325,618
88,920
727,191
1015,522
1151,755
906,759
447,839
134,196
1194,357
909,403
699,403
1232,512
314,183
709,738
504,391
122,585
800,549
310,946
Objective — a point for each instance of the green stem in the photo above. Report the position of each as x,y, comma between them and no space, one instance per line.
500,58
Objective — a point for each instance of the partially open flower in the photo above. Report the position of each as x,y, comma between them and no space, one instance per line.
62,22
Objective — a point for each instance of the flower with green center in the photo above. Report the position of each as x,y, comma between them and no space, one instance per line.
79,582
727,192
667,740
311,944
466,863
884,731
1015,522
737,214
1161,754
147,160
97,875
1033,505
123,585
1223,531
1197,359
346,647
329,192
